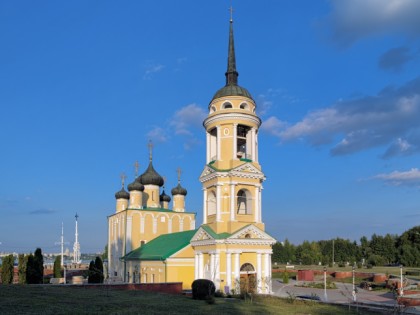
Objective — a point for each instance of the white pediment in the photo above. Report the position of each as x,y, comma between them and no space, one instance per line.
247,168
207,171
201,235
251,232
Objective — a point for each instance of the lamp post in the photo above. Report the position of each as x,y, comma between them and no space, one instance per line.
325,284
401,279
354,288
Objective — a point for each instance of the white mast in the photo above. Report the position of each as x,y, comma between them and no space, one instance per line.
76,246
62,244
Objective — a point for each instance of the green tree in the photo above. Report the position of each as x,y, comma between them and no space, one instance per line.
105,253
408,246
7,269
22,263
35,268
57,267
96,271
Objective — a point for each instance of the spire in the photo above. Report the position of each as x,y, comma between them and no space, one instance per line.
231,73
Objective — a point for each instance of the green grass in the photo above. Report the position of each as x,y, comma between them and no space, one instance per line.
48,299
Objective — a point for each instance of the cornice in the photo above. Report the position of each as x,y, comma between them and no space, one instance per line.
231,116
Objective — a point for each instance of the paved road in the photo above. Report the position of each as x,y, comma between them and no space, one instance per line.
341,295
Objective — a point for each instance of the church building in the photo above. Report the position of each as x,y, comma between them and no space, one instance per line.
148,242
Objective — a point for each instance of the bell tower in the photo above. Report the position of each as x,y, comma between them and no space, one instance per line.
232,177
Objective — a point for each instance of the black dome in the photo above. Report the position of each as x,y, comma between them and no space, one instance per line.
151,177
232,90
122,194
179,190
164,197
136,185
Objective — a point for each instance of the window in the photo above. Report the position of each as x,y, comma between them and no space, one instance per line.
212,109
227,105
244,202
211,203
244,106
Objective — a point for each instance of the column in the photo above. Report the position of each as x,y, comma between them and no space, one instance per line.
260,203
219,144
256,147
237,273
170,225
267,276
217,271
196,266
142,225
235,141
232,201
257,204
253,144
218,203
212,269
200,265
204,206
208,152
229,270
259,273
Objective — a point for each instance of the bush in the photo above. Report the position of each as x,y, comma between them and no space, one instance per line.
219,294
285,277
202,288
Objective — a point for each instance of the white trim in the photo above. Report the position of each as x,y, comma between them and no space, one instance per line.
232,116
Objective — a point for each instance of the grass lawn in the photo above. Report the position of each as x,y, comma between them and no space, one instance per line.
48,299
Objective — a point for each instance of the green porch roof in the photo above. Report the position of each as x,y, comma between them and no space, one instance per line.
161,247
214,234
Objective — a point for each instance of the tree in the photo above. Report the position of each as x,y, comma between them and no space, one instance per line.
105,253
35,268
22,263
96,271
57,267
7,269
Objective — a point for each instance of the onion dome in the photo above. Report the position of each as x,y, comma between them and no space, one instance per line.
136,185
231,88
122,194
179,190
164,197
151,177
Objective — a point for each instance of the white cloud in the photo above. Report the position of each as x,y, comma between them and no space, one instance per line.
151,69
352,20
362,123
157,134
190,116
397,178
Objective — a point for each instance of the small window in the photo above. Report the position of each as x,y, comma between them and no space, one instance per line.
247,235
243,106
212,109
227,105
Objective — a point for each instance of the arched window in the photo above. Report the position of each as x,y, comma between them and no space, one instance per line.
212,109
243,202
211,203
227,105
244,106
247,267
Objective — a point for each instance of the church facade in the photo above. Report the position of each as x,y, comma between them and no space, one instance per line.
231,247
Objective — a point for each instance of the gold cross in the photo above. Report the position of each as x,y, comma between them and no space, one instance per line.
123,177
179,172
150,145
136,168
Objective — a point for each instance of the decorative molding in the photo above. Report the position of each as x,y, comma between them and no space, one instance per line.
232,116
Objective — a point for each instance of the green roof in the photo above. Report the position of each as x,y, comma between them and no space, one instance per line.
214,234
161,247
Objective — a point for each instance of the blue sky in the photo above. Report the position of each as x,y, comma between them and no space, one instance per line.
85,84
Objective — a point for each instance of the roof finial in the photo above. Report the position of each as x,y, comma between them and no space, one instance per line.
136,168
231,12
231,73
123,177
150,145
179,172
